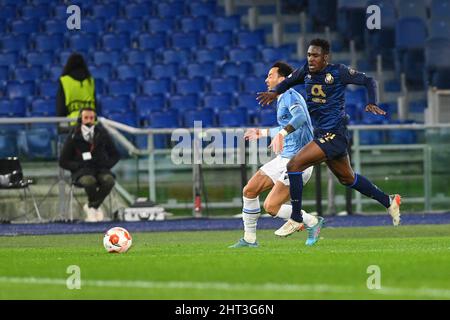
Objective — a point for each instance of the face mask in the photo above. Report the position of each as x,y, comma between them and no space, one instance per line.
88,132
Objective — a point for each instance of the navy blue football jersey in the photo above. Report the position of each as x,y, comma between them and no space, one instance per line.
325,92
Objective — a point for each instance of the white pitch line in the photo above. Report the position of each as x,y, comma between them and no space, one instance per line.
224,286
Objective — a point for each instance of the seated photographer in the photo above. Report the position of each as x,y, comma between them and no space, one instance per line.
89,153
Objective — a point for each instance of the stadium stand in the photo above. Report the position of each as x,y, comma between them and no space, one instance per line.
149,56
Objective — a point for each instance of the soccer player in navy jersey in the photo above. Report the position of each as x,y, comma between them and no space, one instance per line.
325,89
292,115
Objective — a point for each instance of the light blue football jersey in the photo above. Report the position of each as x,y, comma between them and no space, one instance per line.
292,109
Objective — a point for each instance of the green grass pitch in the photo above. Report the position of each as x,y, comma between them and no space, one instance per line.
413,261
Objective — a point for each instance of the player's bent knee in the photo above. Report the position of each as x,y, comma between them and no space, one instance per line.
271,208
292,166
346,181
249,193
87,181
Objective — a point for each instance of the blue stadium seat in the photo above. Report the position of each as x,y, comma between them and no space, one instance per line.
156,25
8,12
194,24
441,79
152,41
139,57
410,33
138,10
218,40
126,71
203,8
268,117
440,28
129,118
102,72
163,119
43,108
322,13
115,104
54,72
230,23
371,137
232,69
122,87
402,136
130,26
39,143
52,42
218,101
248,100
145,105
23,74
55,26
271,55
160,71
13,107
43,59
243,54
170,9
250,38
224,85
357,96
83,42
206,69
437,51
184,102
418,106
28,26
440,9
47,89
412,8
370,118
118,41
253,85
8,145
353,111
151,87
99,87
260,69
232,118
209,55
351,16
4,73
60,12
188,86
181,57
20,90
14,43
205,115
92,25
181,40
106,11
34,12
106,57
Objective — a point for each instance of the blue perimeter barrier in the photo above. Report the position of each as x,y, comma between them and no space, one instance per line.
209,224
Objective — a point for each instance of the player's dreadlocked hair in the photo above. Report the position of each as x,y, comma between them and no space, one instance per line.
324,44
283,68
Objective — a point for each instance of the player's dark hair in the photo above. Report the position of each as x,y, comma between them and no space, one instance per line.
76,62
283,68
324,44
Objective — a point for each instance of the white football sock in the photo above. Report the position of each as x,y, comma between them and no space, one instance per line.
284,212
308,219
250,215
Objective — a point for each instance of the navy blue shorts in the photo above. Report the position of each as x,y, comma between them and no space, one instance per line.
334,143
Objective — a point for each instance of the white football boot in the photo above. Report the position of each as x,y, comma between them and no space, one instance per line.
289,228
91,213
394,209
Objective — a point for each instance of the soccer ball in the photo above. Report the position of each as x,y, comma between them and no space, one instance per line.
117,240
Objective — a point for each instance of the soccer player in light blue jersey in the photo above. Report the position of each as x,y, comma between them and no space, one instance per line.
292,116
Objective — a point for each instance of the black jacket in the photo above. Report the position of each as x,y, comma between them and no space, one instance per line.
103,151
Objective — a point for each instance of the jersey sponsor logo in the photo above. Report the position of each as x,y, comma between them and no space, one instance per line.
329,78
318,93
